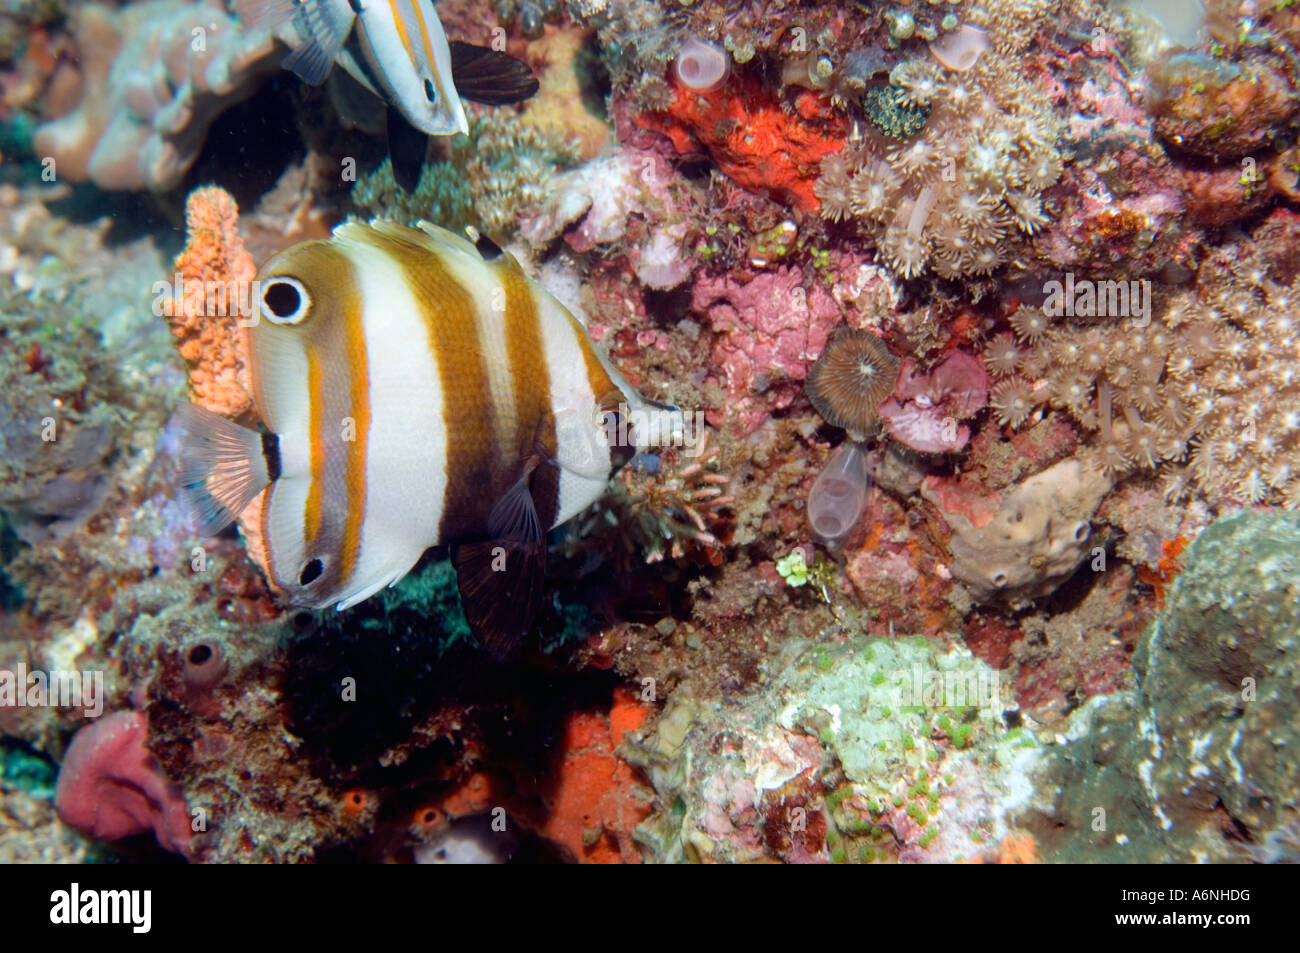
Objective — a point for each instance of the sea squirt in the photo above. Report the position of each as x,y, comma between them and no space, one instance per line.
839,494
702,66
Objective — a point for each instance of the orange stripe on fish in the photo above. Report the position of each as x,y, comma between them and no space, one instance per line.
311,517
355,471
399,23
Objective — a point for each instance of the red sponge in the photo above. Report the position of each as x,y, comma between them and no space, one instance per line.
110,785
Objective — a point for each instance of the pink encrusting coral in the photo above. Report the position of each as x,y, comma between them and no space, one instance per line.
769,330
595,204
927,410
111,787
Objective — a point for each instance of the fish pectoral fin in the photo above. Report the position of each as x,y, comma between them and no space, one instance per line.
490,77
322,27
514,516
408,147
500,584
223,466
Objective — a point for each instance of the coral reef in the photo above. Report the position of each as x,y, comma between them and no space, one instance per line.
209,304
110,786
1024,543
768,330
1218,108
851,379
755,142
980,319
153,78
927,412
1186,768
864,752
488,178
952,193
1212,373
599,204
29,831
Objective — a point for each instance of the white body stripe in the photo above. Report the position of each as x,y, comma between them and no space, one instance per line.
282,385
406,472
582,450
284,528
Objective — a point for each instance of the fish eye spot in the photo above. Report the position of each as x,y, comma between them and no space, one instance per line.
311,572
285,301
429,94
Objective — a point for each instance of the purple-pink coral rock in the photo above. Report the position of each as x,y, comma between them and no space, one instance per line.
769,331
926,410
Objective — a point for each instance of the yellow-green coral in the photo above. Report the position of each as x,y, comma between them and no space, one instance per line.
501,168
953,196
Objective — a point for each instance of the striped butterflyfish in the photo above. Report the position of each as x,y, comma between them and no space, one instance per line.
416,389
398,50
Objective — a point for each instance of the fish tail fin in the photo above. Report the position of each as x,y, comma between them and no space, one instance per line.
223,466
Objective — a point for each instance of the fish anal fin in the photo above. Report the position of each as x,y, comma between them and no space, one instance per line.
487,76
500,584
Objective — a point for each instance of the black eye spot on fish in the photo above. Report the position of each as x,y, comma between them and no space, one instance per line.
311,572
284,301
429,94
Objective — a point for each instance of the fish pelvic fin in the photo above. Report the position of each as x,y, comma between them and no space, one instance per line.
500,584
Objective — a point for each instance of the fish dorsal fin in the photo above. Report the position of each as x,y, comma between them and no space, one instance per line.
440,239
322,27
488,76
487,248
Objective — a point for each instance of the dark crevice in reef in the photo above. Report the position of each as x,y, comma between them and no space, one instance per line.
251,144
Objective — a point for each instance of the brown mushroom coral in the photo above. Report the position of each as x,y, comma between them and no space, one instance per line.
854,375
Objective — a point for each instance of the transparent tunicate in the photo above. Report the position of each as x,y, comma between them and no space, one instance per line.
839,494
